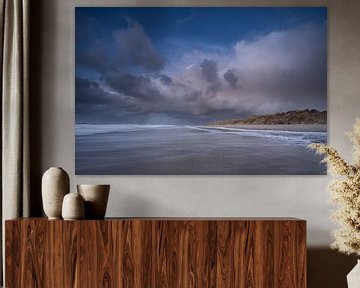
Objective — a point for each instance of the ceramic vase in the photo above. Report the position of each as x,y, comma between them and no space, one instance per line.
353,278
73,207
96,198
55,185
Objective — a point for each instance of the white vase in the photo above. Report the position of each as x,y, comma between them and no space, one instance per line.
353,278
96,198
55,185
73,207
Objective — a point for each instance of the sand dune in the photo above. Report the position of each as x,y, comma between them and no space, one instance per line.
283,118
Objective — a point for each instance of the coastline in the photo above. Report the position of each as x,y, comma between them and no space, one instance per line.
281,127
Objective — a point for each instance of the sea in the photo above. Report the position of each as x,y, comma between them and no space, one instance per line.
126,149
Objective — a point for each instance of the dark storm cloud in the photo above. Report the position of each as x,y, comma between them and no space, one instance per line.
165,79
130,47
135,48
139,87
88,92
104,104
231,77
92,101
209,70
91,94
279,71
91,59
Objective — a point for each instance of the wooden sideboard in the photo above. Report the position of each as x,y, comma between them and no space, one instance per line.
156,252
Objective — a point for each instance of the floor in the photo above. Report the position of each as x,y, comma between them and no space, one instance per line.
328,268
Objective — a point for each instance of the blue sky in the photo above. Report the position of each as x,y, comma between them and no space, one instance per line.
197,65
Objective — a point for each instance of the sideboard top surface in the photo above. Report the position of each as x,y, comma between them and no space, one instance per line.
174,219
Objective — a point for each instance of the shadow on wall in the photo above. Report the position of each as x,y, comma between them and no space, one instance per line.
37,10
328,268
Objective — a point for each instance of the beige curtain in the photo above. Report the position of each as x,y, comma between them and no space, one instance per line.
14,27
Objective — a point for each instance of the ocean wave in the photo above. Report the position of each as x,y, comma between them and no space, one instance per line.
92,129
297,137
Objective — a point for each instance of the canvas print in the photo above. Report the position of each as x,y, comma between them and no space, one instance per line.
200,90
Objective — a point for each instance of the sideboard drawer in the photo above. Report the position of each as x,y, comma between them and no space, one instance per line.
156,252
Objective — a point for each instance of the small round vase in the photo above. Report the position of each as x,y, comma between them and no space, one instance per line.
55,185
73,207
96,198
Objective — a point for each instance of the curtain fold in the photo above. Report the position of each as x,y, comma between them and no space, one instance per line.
14,111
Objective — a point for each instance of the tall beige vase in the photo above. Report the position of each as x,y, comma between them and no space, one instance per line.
96,198
55,185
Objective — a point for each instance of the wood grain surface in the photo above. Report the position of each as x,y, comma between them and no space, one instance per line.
159,252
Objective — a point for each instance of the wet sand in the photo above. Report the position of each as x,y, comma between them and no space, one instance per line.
196,150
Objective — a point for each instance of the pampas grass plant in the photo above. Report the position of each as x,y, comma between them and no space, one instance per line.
345,192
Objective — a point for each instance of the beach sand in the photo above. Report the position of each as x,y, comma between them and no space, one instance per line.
285,127
199,150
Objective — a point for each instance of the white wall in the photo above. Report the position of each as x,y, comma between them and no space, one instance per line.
304,197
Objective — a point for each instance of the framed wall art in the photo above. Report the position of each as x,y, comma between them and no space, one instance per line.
200,90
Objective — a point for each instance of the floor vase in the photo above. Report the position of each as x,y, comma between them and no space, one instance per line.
353,278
